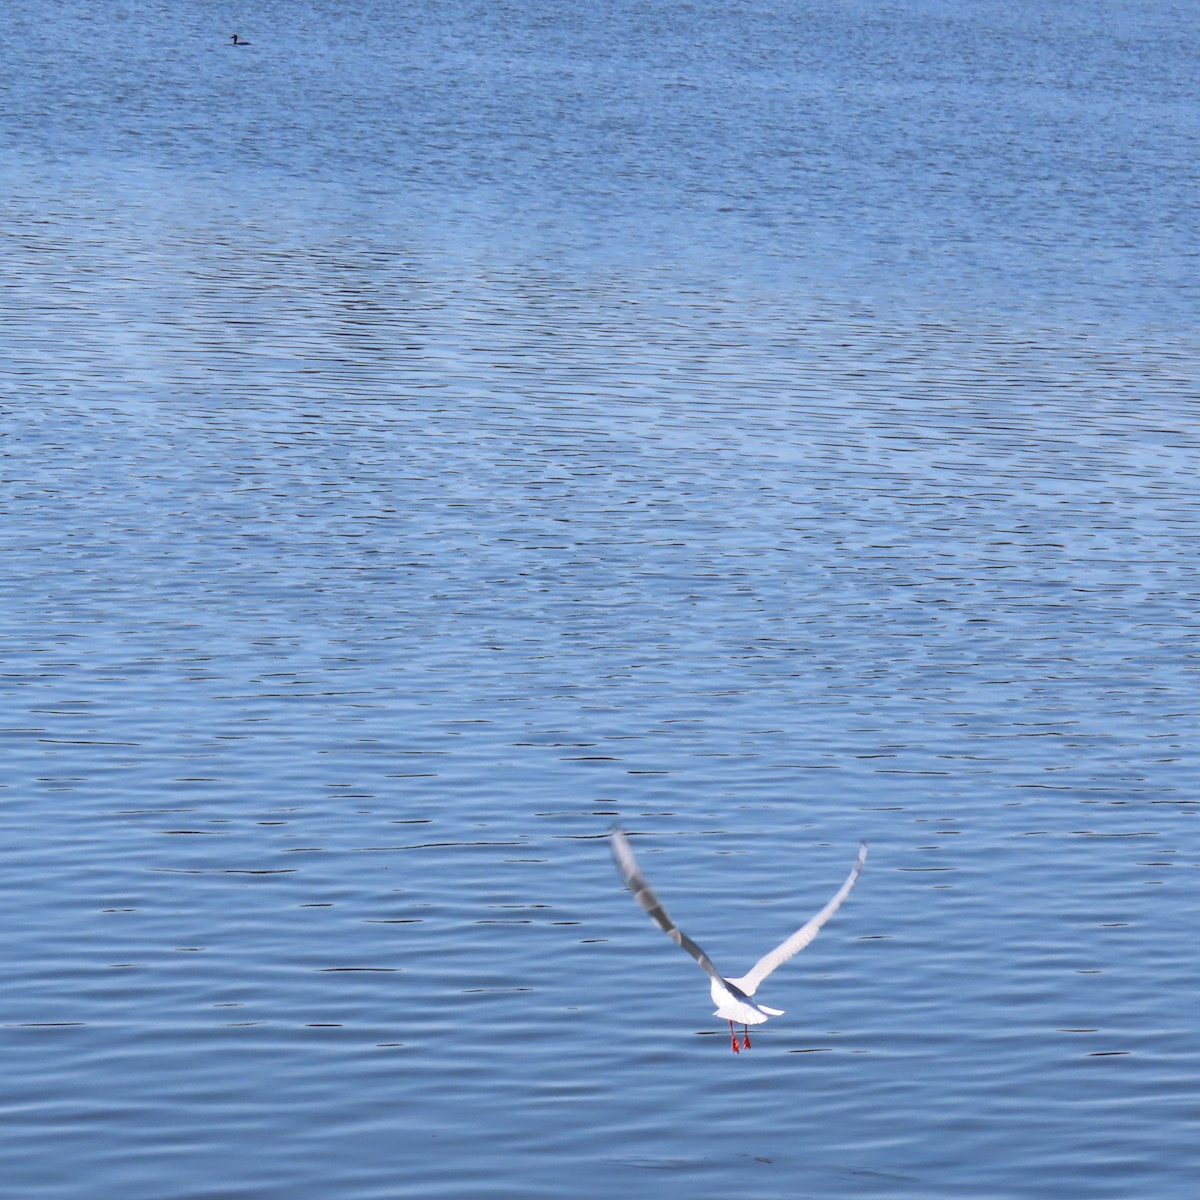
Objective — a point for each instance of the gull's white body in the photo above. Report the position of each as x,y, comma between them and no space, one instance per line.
733,997
737,1006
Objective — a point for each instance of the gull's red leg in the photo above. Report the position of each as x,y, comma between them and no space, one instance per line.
746,1036
733,1039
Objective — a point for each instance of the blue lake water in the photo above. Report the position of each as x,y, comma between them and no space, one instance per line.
434,433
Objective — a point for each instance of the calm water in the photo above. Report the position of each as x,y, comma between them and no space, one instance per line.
433,433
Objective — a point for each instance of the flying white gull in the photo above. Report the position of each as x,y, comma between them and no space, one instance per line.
731,996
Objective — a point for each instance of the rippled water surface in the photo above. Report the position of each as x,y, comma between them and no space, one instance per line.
433,434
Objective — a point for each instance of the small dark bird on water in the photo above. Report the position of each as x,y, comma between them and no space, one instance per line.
234,40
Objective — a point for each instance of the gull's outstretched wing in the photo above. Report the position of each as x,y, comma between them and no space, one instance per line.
636,883
805,934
